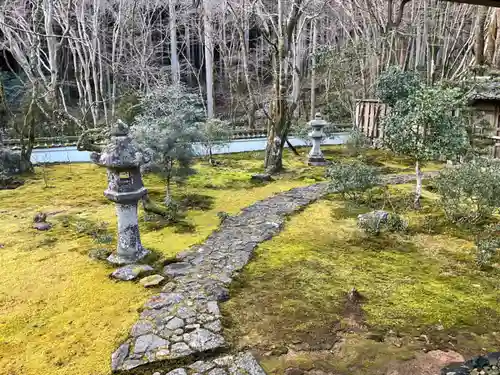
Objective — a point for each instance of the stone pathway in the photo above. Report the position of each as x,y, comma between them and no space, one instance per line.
183,321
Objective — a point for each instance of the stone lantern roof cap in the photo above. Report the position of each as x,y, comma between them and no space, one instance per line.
318,120
121,152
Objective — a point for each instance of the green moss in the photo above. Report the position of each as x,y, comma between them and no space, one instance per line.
59,309
61,314
412,283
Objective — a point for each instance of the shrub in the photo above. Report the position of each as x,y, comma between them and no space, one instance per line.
396,223
172,211
396,84
352,179
10,161
486,249
215,133
223,216
97,230
167,129
470,192
487,244
356,142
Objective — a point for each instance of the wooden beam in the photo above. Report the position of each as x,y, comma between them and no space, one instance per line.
490,3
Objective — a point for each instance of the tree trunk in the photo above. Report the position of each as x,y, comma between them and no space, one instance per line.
298,57
246,70
490,38
174,57
187,37
482,12
313,68
418,187
208,33
496,57
281,110
168,190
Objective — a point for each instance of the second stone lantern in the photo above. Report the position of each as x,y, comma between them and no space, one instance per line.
316,157
125,187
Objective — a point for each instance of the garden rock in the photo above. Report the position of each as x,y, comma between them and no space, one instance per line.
42,226
40,222
9,182
480,365
262,178
131,272
151,281
381,216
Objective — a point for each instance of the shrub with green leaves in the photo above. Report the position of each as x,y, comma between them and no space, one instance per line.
486,249
10,161
487,244
427,126
396,84
214,133
170,123
470,192
356,142
352,179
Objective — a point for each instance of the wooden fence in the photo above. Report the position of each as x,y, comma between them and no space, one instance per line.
368,116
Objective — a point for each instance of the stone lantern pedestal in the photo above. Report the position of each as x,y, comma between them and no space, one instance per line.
316,157
125,188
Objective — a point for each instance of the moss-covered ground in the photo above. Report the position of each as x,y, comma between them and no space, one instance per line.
61,314
419,290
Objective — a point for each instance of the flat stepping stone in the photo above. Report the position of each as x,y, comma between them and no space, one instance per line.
177,269
42,226
131,272
151,281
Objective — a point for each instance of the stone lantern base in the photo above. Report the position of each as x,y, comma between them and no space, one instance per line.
120,260
317,161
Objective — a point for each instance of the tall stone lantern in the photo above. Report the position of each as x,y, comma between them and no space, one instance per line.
125,187
316,157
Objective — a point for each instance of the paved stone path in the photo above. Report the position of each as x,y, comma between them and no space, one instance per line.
183,321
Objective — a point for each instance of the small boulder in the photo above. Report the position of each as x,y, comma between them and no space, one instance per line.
151,281
381,216
40,222
40,217
131,272
262,178
42,226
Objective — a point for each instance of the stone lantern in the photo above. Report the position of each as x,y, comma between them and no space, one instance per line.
316,157
123,160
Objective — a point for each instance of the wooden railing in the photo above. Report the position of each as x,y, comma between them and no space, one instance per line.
70,141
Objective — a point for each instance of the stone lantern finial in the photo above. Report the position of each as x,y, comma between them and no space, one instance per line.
123,160
316,157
